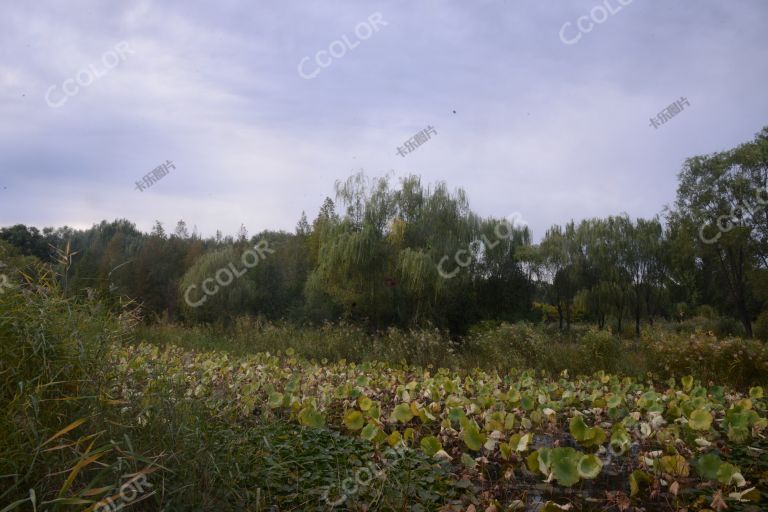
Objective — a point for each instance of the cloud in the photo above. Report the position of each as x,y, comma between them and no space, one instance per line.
546,129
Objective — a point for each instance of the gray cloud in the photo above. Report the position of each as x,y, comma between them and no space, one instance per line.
550,130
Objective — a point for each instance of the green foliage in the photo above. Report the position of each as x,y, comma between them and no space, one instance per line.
761,326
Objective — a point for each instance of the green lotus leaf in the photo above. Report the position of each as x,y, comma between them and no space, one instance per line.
674,465
394,438
473,438
756,393
364,402
578,428
527,402
595,436
707,466
370,432
431,445
687,383
402,413
540,460
456,414
275,400
587,436
589,466
700,420
468,461
532,461
309,417
354,420
614,401
495,421
506,450
565,465
509,421
513,396
738,434
638,480
718,392
727,473
620,440
674,410
520,443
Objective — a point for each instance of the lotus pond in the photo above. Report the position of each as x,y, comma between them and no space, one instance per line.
512,441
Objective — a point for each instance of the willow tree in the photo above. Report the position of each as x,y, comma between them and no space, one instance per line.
380,260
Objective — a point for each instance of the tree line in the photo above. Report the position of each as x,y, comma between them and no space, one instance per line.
409,254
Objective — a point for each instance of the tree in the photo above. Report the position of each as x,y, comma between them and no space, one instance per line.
725,195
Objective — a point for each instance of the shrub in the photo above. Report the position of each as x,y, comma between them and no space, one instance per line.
760,327
602,349
726,326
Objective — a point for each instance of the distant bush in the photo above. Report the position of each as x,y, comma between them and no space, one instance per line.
760,327
726,326
706,311
665,349
735,361
602,350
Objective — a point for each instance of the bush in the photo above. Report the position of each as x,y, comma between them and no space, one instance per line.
726,326
760,327
735,361
602,350
508,346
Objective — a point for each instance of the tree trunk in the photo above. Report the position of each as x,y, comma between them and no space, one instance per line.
745,319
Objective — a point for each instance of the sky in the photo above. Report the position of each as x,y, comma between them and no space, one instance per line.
537,109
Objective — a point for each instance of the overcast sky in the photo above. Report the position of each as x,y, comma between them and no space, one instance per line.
541,127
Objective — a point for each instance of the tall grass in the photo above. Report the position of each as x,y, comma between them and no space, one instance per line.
53,452
66,442
661,353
